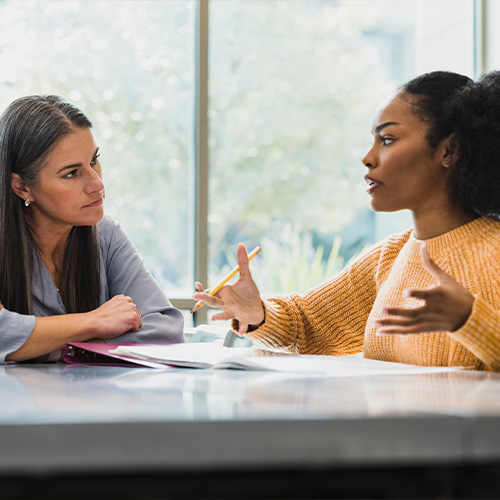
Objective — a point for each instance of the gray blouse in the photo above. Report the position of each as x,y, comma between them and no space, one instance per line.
122,272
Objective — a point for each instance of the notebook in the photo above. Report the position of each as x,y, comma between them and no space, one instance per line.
217,356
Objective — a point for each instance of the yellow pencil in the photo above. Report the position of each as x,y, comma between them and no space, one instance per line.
214,290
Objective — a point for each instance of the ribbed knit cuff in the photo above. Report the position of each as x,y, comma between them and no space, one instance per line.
481,333
275,331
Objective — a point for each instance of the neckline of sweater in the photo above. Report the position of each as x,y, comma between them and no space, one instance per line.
460,236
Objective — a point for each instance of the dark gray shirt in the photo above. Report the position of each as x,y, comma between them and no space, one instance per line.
122,272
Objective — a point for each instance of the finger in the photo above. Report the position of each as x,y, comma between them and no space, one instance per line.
420,294
399,321
420,324
243,261
211,300
394,321
222,316
431,266
408,330
397,331
198,286
410,312
243,328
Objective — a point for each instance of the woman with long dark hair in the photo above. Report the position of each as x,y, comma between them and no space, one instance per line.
430,295
67,272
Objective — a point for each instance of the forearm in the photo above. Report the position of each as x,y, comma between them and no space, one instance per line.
314,324
481,334
51,333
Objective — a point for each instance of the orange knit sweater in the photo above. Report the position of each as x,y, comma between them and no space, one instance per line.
336,317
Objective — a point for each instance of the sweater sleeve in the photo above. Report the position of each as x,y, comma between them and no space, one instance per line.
126,274
328,319
14,331
481,333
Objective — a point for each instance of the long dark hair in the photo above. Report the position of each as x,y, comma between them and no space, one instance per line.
29,129
455,106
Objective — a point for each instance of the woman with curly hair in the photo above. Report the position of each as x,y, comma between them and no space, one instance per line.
430,295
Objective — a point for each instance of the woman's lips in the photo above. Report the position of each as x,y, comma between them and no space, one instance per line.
373,184
96,203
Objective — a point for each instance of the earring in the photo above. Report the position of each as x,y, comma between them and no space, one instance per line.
27,202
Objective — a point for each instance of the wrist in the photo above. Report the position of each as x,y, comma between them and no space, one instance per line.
253,327
235,324
91,327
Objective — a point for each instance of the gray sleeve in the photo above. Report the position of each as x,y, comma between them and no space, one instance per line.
126,274
14,331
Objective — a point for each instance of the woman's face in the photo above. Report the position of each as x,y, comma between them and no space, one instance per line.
70,191
403,172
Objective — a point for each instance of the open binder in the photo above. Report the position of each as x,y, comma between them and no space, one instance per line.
88,353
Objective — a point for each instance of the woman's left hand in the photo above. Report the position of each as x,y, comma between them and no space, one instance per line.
447,306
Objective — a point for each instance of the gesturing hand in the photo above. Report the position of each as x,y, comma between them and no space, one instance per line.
446,308
240,301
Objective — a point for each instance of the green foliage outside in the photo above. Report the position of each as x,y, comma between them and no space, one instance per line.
293,264
294,86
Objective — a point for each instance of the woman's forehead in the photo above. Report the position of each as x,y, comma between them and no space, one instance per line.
395,108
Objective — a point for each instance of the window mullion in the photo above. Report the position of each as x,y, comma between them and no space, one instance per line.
201,152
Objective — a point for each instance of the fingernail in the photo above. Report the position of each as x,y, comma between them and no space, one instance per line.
406,293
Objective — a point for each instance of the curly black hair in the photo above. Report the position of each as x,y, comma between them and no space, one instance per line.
455,106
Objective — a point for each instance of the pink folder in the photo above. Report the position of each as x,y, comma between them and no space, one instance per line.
88,353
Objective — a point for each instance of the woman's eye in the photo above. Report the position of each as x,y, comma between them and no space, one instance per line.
387,141
71,174
93,163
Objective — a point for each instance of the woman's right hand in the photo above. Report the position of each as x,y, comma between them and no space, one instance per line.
116,316
52,333
240,301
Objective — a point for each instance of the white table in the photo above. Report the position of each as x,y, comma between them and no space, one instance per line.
109,432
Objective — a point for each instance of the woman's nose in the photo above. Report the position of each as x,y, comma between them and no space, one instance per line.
95,182
369,159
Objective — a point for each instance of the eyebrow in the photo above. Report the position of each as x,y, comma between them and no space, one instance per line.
76,164
384,125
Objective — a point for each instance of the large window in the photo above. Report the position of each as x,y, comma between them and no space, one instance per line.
130,67
291,90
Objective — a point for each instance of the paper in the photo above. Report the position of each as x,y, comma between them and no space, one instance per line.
216,356
192,354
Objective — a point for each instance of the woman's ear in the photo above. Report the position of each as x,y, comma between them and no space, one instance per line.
449,151
19,187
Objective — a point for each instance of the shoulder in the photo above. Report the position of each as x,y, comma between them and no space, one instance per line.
380,256
390,247
486,232
112,238
397,240
106,227
110,230
488,225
